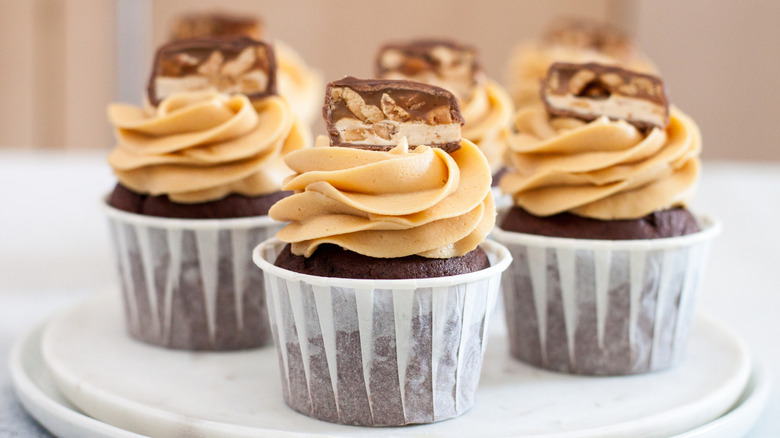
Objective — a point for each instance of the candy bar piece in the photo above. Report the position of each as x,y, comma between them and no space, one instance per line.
216,24
589,91
230,65
444,63
589,34
378,113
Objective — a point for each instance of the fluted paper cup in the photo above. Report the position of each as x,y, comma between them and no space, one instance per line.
380,352
190,283
602,307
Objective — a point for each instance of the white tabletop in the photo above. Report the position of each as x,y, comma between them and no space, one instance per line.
54,251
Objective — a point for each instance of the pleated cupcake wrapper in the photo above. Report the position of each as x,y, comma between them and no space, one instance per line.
380,352
191,283
602,307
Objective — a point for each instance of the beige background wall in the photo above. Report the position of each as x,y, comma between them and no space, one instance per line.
721,60
57,72
718,57
341,37
16,80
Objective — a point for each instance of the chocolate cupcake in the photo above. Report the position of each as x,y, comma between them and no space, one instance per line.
608,261
381,287
197,175
486,106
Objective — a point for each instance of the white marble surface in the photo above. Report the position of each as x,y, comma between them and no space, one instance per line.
54,251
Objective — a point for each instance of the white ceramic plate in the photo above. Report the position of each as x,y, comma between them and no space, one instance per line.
38,394
147,389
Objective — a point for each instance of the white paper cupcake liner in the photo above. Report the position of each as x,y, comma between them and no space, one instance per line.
190,283
602,307
380,352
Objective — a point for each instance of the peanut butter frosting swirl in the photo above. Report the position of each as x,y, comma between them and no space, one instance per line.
387,204
202,146
302,86
604,169
488,114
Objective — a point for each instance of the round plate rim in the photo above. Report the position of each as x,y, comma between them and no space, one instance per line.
50,413
56,416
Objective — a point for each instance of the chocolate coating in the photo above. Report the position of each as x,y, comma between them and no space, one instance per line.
572,90
590,34
166,61
418,57
659,224
416,99
231,206
333,261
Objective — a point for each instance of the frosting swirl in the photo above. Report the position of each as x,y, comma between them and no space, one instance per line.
387,204
203,146
299,84
603,169
488,113
530,61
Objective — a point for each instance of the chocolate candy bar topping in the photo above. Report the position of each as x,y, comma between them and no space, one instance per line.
439,62
377,114
229,65
589,91
592,35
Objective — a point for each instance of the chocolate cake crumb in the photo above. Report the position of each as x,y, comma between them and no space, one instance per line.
231,206
333,261
659,224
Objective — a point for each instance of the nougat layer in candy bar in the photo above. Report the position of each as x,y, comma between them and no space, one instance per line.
377,114
216,24
589,91
438,62
232,65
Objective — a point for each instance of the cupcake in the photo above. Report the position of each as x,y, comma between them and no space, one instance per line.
485,105
298,83
608,261
576,40
197,175
382,286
